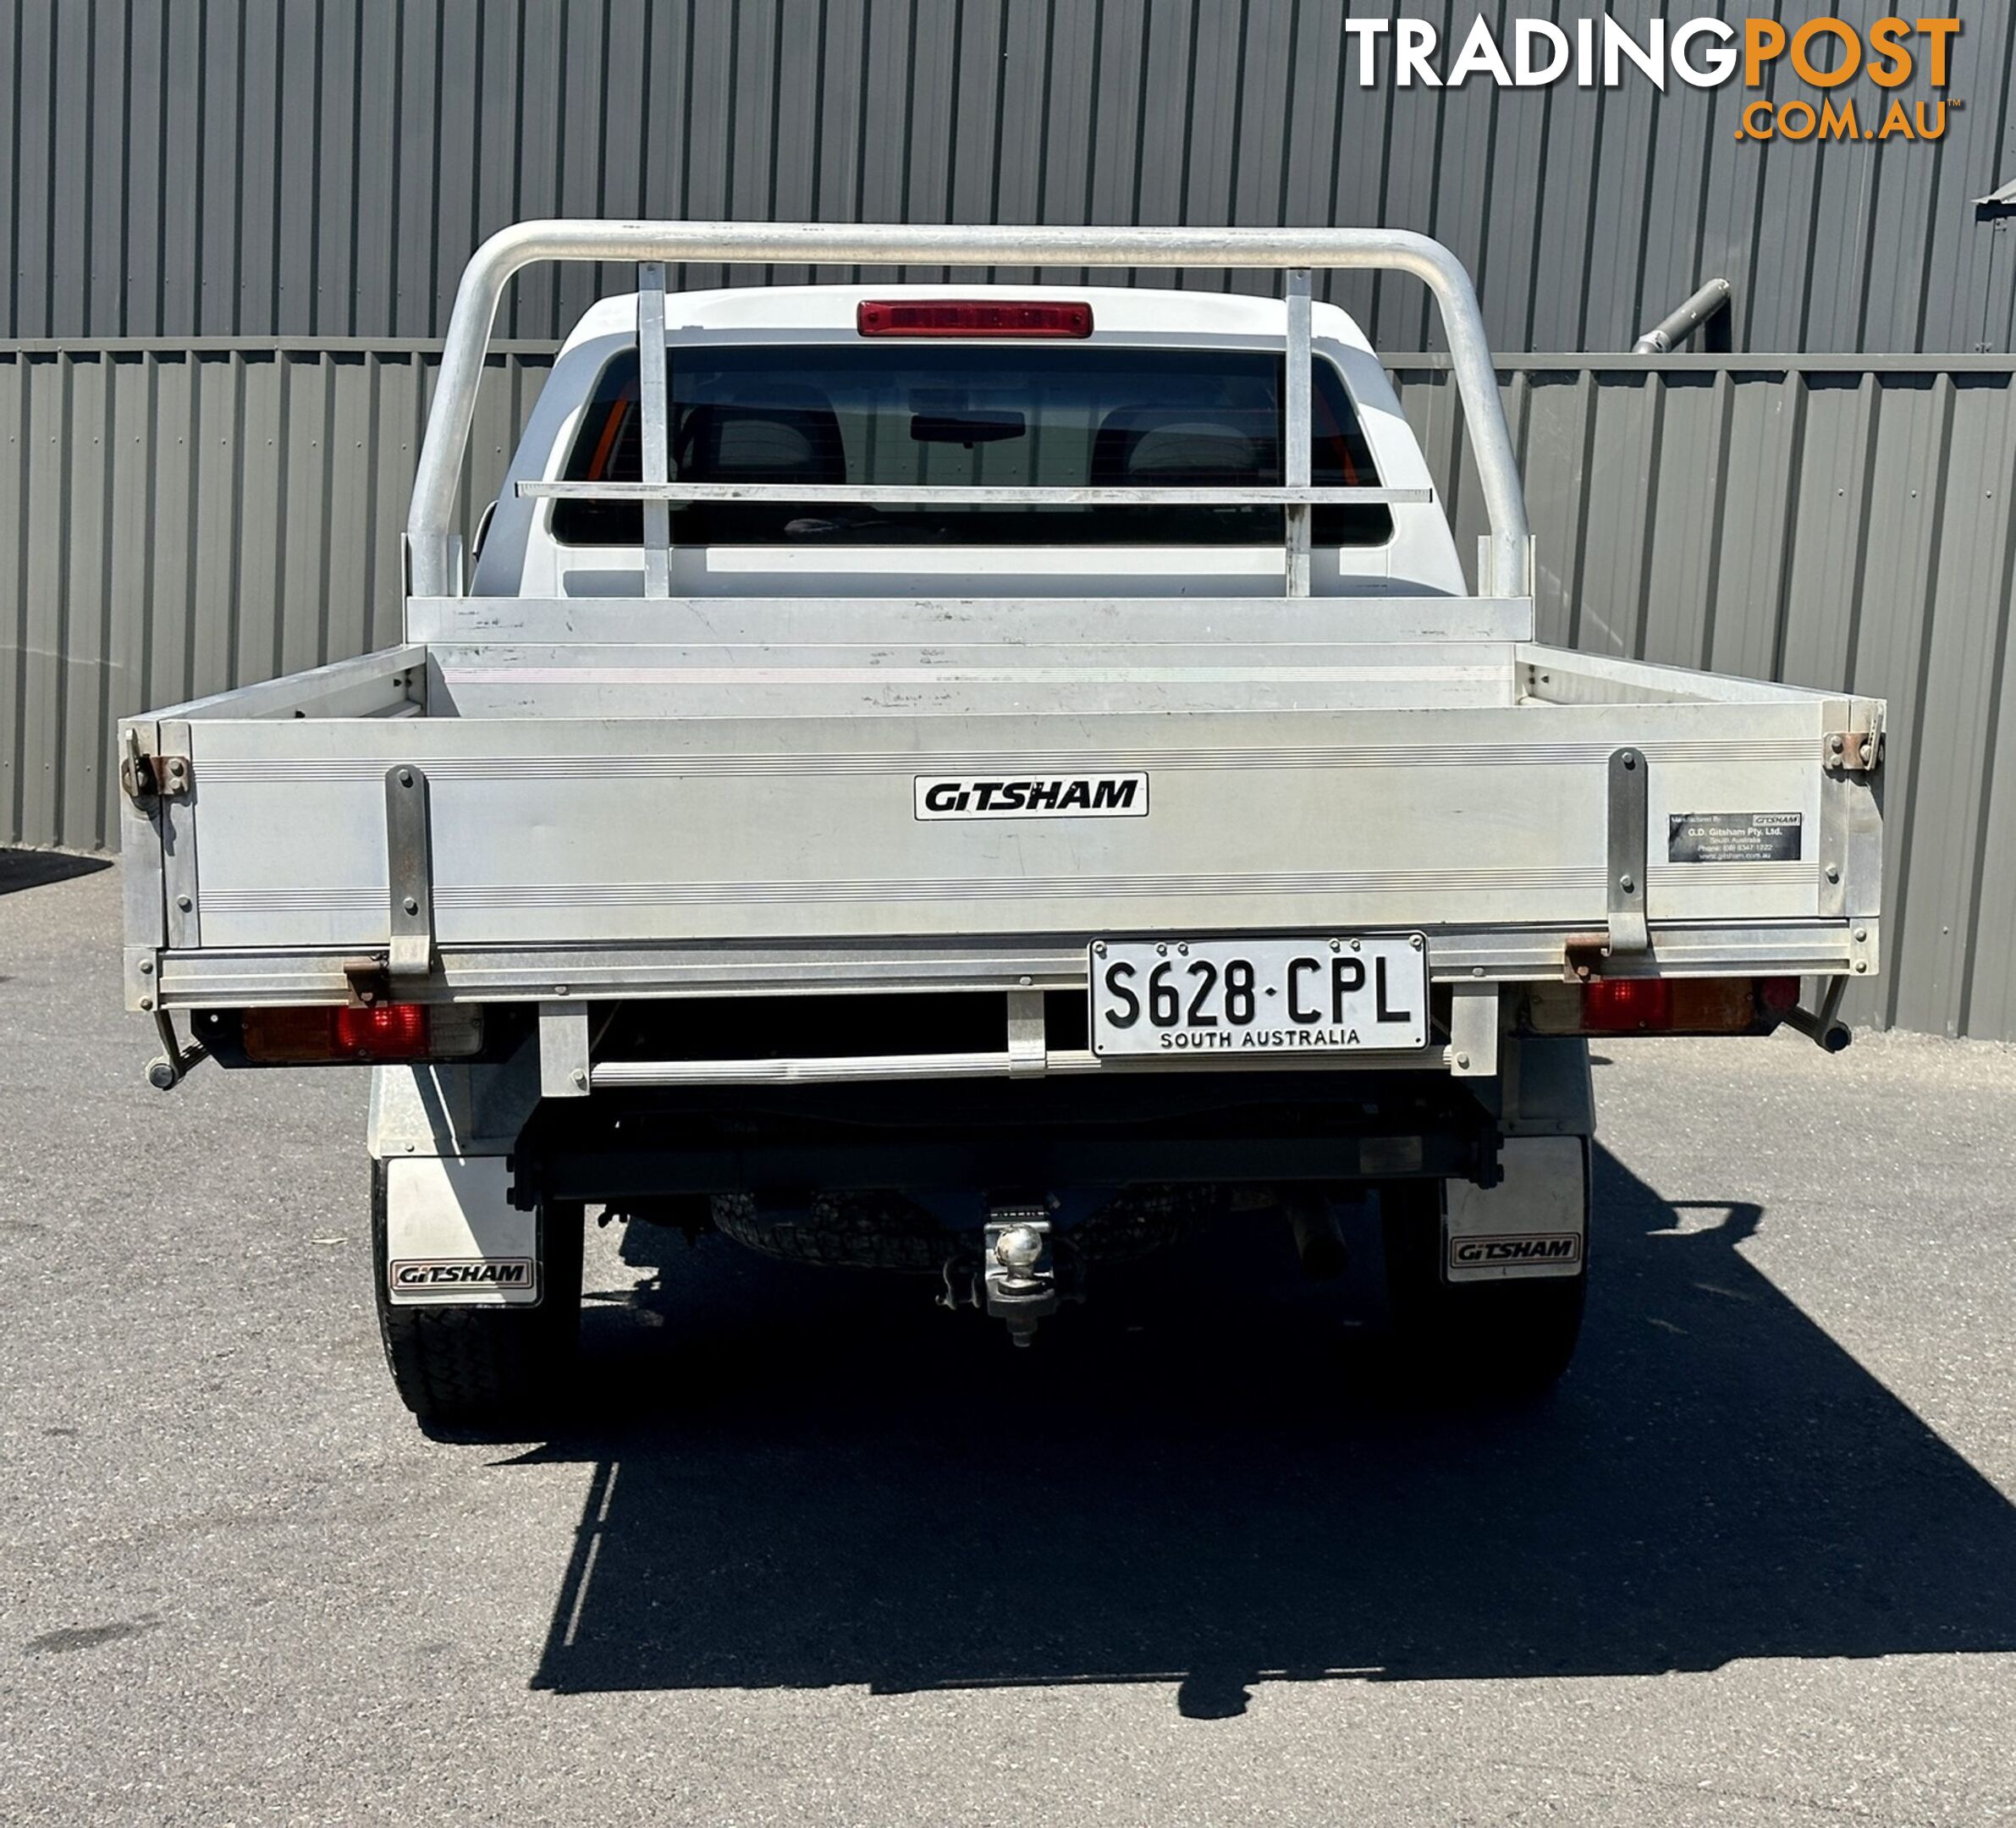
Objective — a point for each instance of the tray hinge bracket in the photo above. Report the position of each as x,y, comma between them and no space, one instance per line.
409,874
1624,861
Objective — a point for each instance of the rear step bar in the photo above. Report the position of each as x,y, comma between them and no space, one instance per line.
612,1074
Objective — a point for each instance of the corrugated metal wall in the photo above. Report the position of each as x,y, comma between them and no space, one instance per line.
280,167
1828,526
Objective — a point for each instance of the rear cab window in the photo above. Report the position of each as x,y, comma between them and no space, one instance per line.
899,416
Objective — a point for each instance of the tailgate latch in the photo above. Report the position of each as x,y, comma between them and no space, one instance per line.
1852,751
145,776
409,874
1624,860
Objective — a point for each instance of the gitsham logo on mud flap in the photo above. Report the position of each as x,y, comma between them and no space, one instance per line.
1545,1247
457,1275
947,797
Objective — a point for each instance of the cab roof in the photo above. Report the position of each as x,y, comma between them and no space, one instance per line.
1130,314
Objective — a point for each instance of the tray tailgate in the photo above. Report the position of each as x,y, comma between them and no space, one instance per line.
582,831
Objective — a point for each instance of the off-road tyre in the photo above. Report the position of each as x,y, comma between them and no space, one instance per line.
1471,1342
492,1370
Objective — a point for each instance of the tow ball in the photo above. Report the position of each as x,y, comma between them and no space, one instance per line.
1017,1282
1019,1270
1017,1274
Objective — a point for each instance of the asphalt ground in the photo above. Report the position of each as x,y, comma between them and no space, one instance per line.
818,1553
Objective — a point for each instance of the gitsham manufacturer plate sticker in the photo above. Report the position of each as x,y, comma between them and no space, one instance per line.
972,797
1734,837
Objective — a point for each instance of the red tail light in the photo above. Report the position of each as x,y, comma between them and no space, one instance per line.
972,317
1777,997
387,1033
1623,1005
1661,1005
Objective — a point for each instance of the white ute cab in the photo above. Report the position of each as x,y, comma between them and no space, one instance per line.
981,781
1164,388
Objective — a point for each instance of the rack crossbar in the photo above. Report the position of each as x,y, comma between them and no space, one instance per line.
1046,495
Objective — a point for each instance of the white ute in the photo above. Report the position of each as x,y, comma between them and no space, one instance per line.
980,781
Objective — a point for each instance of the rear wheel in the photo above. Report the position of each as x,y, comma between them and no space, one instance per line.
499,1369
1472,1342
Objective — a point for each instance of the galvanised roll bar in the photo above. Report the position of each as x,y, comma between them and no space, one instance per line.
434,550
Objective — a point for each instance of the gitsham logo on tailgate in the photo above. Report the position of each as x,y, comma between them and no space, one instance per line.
947,797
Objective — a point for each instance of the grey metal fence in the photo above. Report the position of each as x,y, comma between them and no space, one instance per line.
275,167
188,517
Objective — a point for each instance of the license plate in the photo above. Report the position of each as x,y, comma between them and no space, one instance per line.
1318,994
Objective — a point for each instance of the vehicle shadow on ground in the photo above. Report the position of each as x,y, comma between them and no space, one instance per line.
33,869
815,1479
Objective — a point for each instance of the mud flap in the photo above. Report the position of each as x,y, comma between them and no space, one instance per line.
1534,1223
453,1237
